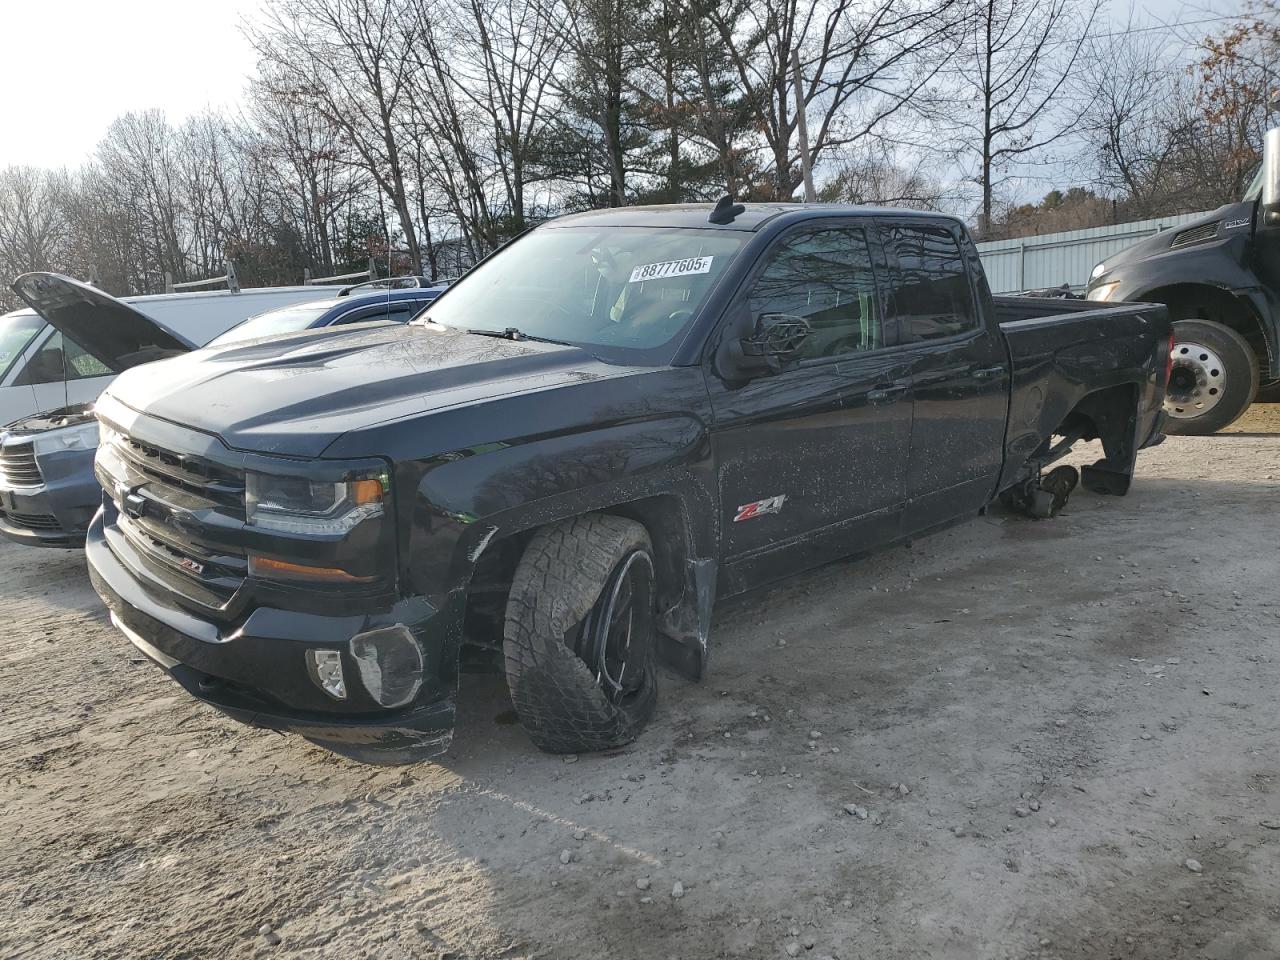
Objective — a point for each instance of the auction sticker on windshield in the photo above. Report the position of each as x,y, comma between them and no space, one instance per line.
671,268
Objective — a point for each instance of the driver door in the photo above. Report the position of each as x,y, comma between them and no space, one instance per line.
812,461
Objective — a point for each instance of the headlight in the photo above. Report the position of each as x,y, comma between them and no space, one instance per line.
1097,271
83,436
1103,292
301,505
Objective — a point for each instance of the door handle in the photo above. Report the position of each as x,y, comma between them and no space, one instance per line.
888,392
988,373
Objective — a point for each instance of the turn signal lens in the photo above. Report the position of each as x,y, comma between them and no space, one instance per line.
283,570
365,491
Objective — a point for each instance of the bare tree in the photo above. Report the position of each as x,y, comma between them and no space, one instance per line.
861,62
1018,57
351,62
447,154
33,221
514,50
319,175
140,177
879,178
602,39
1130,125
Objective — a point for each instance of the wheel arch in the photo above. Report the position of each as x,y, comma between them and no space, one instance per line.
684,568
1110,414
1242,311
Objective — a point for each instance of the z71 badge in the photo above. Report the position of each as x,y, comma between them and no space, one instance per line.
760,508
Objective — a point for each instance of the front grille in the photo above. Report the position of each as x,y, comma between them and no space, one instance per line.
18,467
32,521
1200,234
204,575
171,509
185,476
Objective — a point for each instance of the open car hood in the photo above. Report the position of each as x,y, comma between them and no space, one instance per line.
109,330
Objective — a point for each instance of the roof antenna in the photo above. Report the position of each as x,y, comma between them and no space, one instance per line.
726,210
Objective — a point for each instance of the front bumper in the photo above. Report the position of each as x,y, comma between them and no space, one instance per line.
56,513
255,671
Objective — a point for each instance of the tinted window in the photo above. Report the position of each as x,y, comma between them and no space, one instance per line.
825,278
932,295
397,311
61,358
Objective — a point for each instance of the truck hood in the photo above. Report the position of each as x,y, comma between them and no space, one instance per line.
295,395
110,331
1221,224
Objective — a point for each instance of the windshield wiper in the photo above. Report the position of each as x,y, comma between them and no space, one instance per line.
514,333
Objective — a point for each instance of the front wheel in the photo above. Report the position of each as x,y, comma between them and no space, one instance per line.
579,634
1213,380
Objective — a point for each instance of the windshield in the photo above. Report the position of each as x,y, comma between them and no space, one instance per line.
630,290
284,320
16,331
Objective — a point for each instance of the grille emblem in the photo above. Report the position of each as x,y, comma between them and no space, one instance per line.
134,505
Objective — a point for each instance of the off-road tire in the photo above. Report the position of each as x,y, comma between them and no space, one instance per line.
1240,376
557,583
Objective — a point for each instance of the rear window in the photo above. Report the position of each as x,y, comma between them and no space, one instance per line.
17,330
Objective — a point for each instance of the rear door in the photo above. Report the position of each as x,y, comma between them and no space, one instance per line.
814,458
959,370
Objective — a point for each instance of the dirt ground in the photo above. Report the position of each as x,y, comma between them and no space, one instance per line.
1082,711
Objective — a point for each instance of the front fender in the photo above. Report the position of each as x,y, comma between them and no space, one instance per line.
463,503
1221,261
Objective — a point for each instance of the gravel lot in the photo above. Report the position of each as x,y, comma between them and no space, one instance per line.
1063,736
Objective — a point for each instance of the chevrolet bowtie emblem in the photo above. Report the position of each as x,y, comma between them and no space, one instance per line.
134,505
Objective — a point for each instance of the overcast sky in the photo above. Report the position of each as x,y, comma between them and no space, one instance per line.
69,67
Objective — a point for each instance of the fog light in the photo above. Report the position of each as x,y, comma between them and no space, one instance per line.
325,667
390,664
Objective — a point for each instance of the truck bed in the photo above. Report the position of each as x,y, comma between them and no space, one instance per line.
1061,351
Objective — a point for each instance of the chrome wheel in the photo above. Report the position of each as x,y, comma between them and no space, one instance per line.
1196,382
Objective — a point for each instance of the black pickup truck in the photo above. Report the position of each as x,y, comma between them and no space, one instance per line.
601,429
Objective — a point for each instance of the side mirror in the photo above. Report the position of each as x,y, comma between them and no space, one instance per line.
765,346
1269,215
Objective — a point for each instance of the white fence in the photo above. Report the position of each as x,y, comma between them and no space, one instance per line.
1032,263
